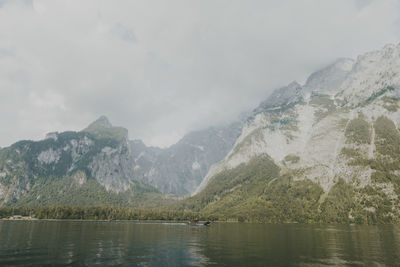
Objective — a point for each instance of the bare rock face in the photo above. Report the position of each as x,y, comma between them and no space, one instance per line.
49,156
103,153
329,79
282,97
327,129
100,152
180,168
112,167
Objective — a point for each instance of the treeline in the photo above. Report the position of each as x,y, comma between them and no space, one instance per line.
99,213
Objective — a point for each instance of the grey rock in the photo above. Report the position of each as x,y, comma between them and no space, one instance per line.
102,121
329,79
180,168
282,97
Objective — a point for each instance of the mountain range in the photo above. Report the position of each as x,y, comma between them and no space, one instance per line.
325,151
101,166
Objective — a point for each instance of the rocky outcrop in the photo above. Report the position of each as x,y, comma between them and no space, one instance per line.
304,128
112,167
180,168
101,152
329,79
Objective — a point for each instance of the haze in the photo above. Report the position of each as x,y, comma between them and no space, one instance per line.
163,68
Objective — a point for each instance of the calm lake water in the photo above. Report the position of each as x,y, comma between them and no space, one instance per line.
222,244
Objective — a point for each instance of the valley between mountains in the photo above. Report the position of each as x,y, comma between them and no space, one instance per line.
325,151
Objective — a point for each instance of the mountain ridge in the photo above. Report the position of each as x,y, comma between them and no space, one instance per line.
102,156
315,106
328,138
325,151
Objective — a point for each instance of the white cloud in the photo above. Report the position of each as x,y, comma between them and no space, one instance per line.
162,68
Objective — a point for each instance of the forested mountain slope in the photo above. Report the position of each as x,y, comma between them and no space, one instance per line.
337,145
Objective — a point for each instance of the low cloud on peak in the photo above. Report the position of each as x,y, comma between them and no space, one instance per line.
163,68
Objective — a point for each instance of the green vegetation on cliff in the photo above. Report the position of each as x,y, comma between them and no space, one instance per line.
57,171
358,131
387,143
257,192
71,191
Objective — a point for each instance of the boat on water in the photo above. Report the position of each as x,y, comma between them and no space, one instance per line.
196,222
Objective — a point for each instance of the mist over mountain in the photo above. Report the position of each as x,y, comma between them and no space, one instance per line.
326,151
329,149
100,166
180,168
163,69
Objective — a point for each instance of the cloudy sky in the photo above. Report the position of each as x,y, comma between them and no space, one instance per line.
163,68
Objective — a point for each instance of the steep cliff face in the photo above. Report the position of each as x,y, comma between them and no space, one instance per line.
112,165
100,155
180,168
371,73
332,130
330,78
100,165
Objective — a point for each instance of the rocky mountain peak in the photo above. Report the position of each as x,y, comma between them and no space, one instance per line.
343,138
371,73
329,79
102,121
102,128
281,97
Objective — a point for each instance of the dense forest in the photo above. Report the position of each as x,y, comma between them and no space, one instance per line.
99,213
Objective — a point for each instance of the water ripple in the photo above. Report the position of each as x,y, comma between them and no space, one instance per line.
74,243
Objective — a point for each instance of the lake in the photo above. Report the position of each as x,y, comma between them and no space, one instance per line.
84,243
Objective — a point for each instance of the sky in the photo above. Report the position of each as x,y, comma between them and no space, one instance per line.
164,68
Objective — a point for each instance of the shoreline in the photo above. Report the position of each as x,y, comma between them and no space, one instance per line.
91,220
184,222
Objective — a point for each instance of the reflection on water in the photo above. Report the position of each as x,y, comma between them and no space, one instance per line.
126,243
